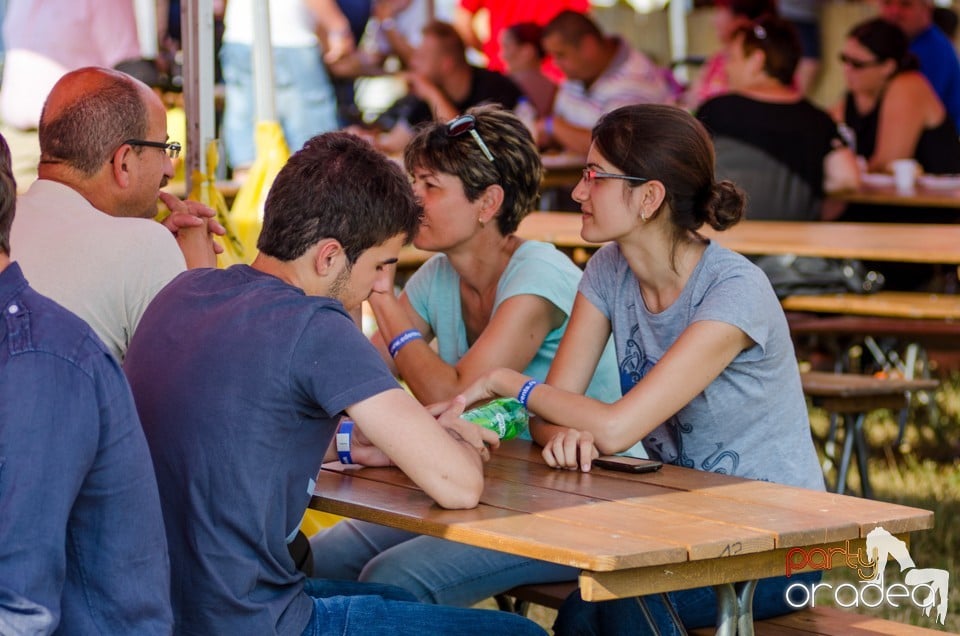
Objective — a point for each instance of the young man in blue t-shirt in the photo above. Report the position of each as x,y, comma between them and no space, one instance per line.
241,376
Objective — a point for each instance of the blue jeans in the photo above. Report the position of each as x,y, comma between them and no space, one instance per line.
343,608
303,97
695,608
433,570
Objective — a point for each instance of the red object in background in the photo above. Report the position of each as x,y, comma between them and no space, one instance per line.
504,13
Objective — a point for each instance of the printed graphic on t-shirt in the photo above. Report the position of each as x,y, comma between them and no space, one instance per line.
666,441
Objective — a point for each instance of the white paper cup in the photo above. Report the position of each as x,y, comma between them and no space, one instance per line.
905,174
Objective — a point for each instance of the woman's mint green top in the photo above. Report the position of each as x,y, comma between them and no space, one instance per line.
535,268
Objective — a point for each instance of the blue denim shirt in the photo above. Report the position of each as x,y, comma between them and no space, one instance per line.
81,533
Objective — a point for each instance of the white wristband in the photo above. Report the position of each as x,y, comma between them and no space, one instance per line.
343,441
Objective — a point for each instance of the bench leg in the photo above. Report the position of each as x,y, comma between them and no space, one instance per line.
830,445
862,452
505,603
848,437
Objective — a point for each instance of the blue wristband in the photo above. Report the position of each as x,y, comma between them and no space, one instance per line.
402,340
525,392
343,441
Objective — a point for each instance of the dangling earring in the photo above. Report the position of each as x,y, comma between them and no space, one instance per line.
643,217
480,221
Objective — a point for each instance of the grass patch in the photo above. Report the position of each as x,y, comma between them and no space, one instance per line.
922,471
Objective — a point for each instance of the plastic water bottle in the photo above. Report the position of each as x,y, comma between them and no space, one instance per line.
506,416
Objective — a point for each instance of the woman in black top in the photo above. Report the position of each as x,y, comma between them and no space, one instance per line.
781,149
890,107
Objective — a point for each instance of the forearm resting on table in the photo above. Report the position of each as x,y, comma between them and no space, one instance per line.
613,430
443,463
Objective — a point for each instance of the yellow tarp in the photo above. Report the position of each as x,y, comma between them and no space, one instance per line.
247,212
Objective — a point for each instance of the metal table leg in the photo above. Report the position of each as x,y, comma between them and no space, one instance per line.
745,606
728,610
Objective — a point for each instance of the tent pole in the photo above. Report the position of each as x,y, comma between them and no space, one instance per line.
265,109
196,19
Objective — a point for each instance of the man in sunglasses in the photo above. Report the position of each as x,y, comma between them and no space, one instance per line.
938,58
85,233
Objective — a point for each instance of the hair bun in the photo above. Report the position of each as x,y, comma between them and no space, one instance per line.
724,205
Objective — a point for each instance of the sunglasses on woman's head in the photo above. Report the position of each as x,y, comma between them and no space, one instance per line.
468,124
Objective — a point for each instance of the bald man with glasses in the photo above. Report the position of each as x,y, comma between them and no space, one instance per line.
85,233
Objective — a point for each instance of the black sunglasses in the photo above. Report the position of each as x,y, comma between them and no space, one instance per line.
858,64
468,124
172,148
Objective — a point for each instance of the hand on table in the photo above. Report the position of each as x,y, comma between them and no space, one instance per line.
448,416
571,449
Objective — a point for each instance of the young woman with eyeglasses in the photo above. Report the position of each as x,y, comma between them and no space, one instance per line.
890,106
488,299
707,367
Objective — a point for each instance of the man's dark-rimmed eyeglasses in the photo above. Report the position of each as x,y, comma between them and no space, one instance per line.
172,148
468,124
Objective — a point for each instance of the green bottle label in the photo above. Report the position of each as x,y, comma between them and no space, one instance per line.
506,416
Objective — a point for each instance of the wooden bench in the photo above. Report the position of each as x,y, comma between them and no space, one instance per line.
550,595
851,397
890,304
819,620
931,334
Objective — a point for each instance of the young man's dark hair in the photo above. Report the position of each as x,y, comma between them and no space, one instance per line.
337,186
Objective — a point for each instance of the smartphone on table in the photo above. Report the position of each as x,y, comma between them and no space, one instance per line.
627,464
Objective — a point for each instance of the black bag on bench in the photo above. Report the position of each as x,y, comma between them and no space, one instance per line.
793,275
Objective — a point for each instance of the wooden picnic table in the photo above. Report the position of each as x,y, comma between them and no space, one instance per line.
894,242
629,534
886,194
562,169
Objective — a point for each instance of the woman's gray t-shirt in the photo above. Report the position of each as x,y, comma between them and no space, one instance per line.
751,421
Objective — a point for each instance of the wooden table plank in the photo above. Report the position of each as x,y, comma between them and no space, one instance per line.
888,195
489,526
866,515
825,384
787,525
699,536
601,586
894,242
914,305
